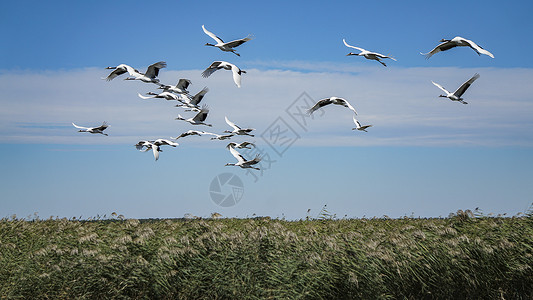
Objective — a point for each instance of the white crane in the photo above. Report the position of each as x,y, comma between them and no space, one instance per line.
154,145
119,70
179,88
456,96
188,133
164,95
367,54
358,125
243,145
237,130
100,129
228,47
192,102
217,65
220,136
151,73
456,42
241,161
199,118
331,100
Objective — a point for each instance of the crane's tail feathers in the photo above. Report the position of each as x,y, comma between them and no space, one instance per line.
143,97
427,55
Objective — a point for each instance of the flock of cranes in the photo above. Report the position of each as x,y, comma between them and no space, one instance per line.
190,102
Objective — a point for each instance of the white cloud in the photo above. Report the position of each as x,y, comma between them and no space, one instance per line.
401,103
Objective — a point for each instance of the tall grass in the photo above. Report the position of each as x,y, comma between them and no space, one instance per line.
380,258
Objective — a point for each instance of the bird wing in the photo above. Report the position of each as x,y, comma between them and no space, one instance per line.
357,124
181,135
478,48
141,144
153,69
237,43
202,115
237,155
133,72
155,149
349,105
440,47
233,125
169,96
319,104
254,161
211,69
213,36
236,74
101,127
199,96
160,142
183,84
81,127
119,70
244,144
440,87
460,91
357,48
383,56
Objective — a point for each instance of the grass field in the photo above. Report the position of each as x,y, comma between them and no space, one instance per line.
462,256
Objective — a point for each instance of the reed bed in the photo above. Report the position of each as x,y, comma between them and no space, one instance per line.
458,257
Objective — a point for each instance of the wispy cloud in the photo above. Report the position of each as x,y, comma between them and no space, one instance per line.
401,103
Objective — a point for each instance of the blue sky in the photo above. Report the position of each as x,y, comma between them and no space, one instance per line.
424,156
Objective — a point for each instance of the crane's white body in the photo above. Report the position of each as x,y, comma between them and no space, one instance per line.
193,102
155,146
199,118
456,96
118,70
151,73
367,54
220,44
162,95
241,161
188,133
179,88
217,65
220,137
457,42
100,129
237,130
358,125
